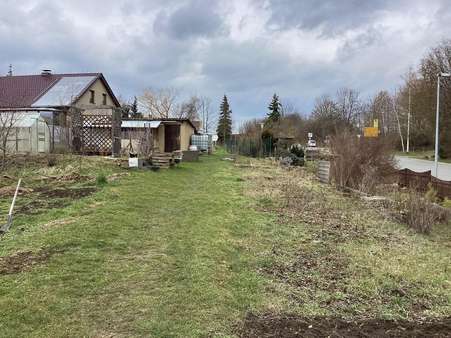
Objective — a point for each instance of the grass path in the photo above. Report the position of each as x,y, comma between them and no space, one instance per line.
156,254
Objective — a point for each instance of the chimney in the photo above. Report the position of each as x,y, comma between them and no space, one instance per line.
46,72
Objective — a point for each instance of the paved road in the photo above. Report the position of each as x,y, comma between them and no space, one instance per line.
444,169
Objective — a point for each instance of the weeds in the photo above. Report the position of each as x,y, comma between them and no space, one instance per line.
101,179
51,160
420,214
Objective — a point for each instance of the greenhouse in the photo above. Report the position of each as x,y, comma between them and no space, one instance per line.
25,132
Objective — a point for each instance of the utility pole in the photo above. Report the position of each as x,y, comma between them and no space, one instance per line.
408,123
437,121
10,71
395,108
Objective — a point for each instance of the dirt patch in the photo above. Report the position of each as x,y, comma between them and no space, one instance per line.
24,261
316,268
72,193
52,198
10,190
291,326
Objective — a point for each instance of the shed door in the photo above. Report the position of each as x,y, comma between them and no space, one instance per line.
171,138
41,136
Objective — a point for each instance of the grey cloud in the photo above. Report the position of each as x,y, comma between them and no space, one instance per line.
332,16
194,19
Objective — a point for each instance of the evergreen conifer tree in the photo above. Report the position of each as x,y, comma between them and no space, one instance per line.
275,108
224,129
134,107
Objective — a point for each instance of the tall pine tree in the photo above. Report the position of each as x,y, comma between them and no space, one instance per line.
224,129
134,107
275,108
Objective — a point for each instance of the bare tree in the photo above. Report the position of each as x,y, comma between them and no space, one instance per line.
159,103
206,115
8,122
198,108
190,109
288,108
382,109
348,105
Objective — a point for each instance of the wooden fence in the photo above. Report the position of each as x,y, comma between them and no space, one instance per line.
421,181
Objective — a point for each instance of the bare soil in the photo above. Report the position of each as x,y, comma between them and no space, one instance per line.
290,326
49,197
72,193
23,261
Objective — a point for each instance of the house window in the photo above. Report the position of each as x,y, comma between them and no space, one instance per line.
104,99
92,98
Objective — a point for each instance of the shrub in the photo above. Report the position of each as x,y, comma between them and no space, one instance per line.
431,194
297,150
447,203
292,160
101,179
360,163
51,160
421,215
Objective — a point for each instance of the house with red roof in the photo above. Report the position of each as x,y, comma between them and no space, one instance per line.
47,90
46,107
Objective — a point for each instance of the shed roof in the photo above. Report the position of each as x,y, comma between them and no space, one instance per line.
140,124
161,120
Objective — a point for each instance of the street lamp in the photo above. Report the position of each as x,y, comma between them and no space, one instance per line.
437,117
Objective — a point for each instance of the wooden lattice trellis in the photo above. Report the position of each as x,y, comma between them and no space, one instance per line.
93,133
96,134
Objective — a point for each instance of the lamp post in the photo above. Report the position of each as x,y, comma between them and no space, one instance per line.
437,120
408,123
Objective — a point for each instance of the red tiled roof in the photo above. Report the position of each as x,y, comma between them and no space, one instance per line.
22,91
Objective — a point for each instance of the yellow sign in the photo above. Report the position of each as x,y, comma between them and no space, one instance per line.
371,132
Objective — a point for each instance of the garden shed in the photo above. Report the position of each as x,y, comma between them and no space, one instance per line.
25,132
167,135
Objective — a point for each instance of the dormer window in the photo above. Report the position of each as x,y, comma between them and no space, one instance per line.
92,98
104,99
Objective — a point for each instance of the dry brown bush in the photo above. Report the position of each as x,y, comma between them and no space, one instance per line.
361,163
420,214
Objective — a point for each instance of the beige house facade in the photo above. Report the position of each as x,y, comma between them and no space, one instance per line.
96,95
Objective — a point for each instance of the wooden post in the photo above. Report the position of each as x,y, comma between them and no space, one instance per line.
116,123
6,227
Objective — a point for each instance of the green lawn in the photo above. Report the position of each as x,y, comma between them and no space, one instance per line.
188,252
153,254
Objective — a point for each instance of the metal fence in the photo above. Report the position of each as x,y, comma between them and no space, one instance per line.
250,146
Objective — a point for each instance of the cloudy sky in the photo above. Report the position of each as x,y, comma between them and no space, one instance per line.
248,49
